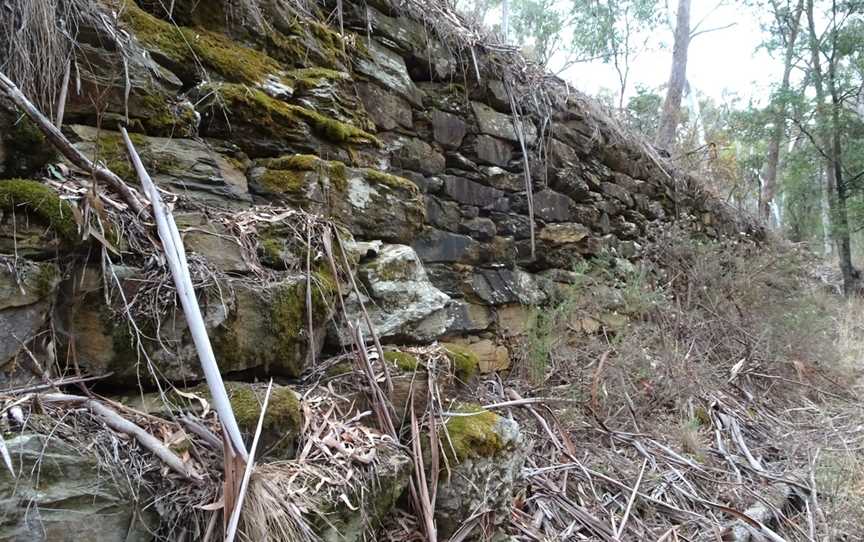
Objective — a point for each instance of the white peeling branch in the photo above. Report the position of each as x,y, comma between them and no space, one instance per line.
176,256
56,137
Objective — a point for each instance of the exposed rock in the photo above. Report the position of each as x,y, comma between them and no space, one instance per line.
187,166
27,292
388,69
386,110
499,286
445,215
251,327
414,154
493,151
502,126
63,493
471,193
513,319
448,129
204,237
563,234
486,453
552,206
491,357
481,229
371,203
467,317
34,221
439,246
403,304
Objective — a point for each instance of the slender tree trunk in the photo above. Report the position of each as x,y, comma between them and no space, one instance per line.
677,79
769,188
829,140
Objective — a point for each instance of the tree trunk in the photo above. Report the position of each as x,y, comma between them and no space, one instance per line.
831,149
677,79
769,188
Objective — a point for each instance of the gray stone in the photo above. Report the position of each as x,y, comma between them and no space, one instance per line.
504,180
443,214
27,292
403,304
617,192
63,493
388,69
501,125
484,481
414,154
552,206
387,110
479,228
448,129
452,279
468,317
212,240
439,246
471,193
493,151
570,181
516,226
499,286
185,166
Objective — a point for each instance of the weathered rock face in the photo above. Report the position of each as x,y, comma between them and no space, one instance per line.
63,493
487,452
402,303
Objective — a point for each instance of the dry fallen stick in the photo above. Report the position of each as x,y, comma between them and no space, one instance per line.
56,137
122,425
175,254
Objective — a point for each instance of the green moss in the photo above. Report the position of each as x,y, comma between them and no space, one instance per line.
288,314
465,362
110,149
281,181
26,146
280,119
187,46
471,436
42,201
283,411
339,369
165,118
403,360
286,173
46,279
306,78
271,248
393,181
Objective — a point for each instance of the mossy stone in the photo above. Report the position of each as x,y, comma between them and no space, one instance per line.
277,119
465,362
184,48
403,360
41,201
283,419
471,436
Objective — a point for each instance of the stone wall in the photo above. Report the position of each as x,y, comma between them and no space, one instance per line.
387,130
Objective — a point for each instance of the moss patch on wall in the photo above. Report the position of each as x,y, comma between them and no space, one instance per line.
279,119
471,436
282,420
41,201
287,174
190,46
465,362
403,360
375,176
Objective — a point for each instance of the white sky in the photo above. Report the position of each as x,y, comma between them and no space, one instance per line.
719,62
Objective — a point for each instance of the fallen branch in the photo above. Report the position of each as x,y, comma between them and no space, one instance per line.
56,137
175,254
122,425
